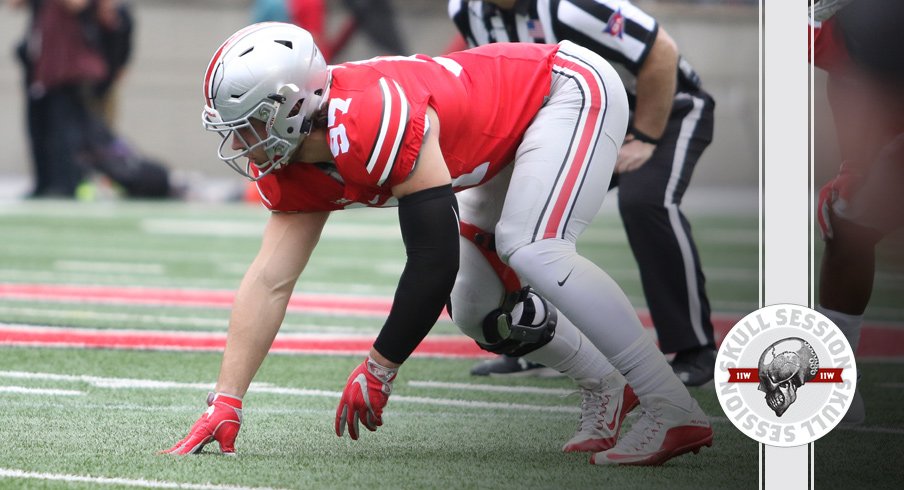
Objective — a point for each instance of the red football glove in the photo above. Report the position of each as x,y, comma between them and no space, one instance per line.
221,421
364,397
836,195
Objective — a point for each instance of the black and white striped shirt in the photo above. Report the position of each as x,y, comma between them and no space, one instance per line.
615,29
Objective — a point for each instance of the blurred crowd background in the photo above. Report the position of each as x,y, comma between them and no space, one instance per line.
159,95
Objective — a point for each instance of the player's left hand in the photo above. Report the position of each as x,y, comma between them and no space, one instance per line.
364,397
633,154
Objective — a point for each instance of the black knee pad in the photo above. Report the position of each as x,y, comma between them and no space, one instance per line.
504,336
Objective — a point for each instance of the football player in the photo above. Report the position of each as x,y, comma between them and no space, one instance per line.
672,122
859,44
410,132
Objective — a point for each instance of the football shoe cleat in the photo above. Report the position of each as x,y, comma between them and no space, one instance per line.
513,367
663,432
602,412
695,367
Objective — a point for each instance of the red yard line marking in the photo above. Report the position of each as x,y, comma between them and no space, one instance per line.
309,302
880,341
22,335
301,302
886,345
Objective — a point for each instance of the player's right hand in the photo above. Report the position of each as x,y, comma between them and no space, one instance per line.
221,422
835,196
366,393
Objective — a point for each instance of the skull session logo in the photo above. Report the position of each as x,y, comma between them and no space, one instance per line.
782,373
785,375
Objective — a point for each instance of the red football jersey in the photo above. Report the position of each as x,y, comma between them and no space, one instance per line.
485,99
828,50
867,115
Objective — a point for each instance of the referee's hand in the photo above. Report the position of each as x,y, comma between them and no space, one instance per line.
633,154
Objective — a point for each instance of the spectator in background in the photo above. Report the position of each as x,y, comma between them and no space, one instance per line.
377,18
61,71
671,125
113,35
271,10
73,52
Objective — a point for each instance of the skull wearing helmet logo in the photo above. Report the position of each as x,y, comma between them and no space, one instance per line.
784,367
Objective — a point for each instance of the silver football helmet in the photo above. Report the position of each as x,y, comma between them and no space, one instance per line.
821,10
272,72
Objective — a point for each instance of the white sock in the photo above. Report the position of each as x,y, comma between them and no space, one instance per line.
648,372
847,323
570,353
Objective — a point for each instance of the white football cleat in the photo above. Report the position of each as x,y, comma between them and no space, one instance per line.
602,412
663,431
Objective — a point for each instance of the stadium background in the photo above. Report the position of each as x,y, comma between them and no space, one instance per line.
160,97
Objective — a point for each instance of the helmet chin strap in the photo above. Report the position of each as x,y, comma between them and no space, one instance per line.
306,125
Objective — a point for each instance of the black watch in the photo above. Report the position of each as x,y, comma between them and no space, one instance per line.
641,136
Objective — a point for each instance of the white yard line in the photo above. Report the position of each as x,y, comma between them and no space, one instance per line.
492,388
199,227
106,267
188,321
128,482
118,267
22,390
215,324
103,382
220,228
127,383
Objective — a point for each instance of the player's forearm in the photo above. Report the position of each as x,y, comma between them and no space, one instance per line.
257,314
429,225
262,298
656,87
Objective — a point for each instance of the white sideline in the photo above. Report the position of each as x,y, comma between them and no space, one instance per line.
100,480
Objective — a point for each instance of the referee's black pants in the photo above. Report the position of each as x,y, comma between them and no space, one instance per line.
649,200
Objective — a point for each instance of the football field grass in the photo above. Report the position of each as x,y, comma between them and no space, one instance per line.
74,417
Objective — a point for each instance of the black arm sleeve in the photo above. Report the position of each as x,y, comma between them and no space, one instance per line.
429,224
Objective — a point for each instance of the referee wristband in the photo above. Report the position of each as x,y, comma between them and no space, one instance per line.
641,136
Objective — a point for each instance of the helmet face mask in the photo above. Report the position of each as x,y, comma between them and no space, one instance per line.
276,149
270,72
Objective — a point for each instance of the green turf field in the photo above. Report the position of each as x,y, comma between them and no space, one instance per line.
80,418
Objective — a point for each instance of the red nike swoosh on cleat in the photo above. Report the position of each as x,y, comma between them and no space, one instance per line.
615,415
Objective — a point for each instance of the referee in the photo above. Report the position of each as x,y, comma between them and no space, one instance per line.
671,125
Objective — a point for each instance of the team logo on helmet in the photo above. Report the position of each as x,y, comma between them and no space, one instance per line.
765,361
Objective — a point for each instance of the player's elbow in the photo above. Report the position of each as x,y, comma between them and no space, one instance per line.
429,224
664,53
